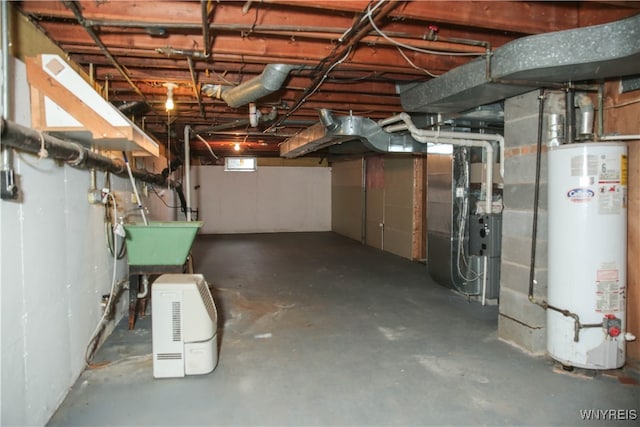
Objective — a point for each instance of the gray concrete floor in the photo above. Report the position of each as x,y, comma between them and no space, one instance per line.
317,329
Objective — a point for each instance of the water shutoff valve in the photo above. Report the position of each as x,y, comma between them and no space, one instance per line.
433,33
612,325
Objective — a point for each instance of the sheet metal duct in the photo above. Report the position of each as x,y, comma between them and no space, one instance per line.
442,238
596,52
269,81
338,130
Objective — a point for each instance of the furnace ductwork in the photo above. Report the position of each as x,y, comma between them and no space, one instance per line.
588,53
269,81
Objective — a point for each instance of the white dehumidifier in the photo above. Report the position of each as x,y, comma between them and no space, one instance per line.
184,326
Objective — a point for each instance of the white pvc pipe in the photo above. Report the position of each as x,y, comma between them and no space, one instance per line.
619,138
145,287
484,280
206,144
408,125
253,115
466,139
187,171
458,138
464,143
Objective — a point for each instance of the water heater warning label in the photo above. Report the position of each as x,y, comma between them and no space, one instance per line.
609,169
584,165
607,275
611,190
609,292
611,299
611,198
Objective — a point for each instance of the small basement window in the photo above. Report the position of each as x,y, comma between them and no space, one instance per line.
242,164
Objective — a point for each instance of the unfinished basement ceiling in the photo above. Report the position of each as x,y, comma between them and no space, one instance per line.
340,60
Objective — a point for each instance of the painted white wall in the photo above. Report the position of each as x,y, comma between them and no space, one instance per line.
54,269
271,199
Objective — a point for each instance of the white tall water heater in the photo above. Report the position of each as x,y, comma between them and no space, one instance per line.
587,211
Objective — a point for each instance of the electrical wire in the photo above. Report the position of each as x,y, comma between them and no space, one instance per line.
222,78
315,89
362,18
351,112
417,49
462,219
109,234
110,241
148,356
36,166
153,190
461,234
351,80
97,332
427,72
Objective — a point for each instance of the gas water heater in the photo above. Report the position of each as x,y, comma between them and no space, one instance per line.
587,195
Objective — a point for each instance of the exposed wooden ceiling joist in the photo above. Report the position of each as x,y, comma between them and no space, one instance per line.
151,42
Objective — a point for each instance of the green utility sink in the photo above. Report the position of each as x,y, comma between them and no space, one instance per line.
160,242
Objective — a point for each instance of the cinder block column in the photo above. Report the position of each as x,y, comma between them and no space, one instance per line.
522,323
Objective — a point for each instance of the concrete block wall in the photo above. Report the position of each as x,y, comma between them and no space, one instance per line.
520,322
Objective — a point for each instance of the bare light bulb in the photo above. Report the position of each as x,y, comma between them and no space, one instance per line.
169,105
236,147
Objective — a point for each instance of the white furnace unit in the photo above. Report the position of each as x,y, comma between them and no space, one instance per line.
184,325
587,186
